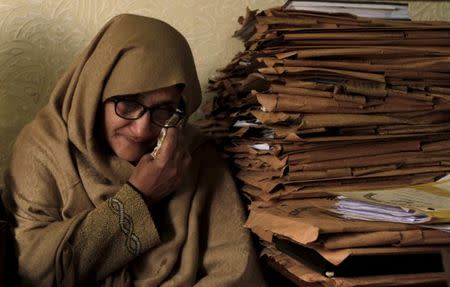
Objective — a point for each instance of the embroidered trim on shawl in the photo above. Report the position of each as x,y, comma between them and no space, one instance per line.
126,225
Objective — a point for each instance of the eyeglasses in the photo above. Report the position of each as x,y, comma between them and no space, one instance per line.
133,110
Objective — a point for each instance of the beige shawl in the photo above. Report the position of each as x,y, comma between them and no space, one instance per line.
78,222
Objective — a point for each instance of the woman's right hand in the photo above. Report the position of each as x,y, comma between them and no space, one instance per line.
158,177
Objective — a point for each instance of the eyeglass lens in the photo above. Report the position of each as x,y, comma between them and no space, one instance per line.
133,110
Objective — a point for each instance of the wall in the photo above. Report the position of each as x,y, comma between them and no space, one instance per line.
39,38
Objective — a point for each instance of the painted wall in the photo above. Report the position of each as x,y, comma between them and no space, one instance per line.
39,38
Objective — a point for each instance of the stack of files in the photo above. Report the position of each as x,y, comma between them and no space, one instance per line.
370,9
320,104
307,242
275,170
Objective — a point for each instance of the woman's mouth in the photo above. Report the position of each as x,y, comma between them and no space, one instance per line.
139,141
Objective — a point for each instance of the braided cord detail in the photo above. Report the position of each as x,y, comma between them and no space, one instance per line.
126,225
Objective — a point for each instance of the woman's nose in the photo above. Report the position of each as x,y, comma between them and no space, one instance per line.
142,126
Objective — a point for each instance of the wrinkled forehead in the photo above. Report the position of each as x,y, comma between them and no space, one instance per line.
167,96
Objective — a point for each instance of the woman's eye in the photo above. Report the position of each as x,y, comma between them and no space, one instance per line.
162,115
126,107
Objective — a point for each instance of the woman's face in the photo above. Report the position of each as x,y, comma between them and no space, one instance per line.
131,139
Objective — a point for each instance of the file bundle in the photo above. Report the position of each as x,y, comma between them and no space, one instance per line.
321,103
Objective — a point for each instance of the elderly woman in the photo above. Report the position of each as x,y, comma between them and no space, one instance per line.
93,206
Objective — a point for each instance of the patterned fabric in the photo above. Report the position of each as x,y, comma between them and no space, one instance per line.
126,225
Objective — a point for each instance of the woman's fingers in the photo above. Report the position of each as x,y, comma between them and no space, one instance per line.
156,178
169,145
187,159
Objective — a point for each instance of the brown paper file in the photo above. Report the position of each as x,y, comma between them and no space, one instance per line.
302,221
315,71
291,103
443,90
284,89
402,129
309,121
300,91
423,64
443,97
262,162
355,150
270,190
387,42
410,170
306,104
358,137
357,161
396,238
408,74
367,88
369,172
436,146
370,35
243,146
254,81
273,118
433,117
290,21
292,82
371,52
322,174
261,180
290,268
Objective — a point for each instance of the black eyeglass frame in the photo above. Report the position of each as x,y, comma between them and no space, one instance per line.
145,109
